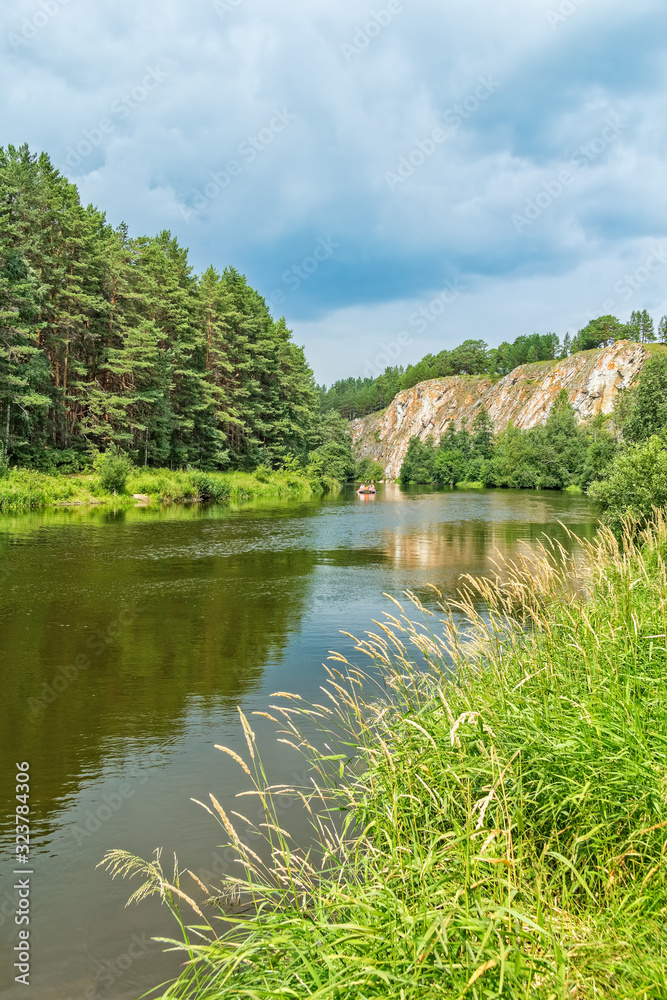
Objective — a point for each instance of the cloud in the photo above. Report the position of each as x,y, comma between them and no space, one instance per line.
187,91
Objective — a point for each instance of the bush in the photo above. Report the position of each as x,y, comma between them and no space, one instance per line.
367,468
636,484
211,486
113,468
419,462
263,473
647,404
334,459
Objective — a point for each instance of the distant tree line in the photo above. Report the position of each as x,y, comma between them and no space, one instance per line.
108,339
355,397
621,459
554,455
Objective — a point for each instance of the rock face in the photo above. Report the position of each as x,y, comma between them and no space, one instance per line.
525,396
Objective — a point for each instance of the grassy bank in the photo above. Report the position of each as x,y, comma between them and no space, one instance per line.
501,819
24,489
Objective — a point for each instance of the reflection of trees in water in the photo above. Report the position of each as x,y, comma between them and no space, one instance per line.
150,633
471,546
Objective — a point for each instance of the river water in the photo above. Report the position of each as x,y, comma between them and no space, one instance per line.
130,637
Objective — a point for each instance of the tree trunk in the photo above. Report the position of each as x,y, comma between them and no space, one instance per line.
6,450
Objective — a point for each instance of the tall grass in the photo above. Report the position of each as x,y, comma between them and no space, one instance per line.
489,804
25,489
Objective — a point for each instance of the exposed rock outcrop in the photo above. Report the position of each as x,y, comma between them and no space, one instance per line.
525,396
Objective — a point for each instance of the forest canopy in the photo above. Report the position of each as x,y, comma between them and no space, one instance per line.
108,339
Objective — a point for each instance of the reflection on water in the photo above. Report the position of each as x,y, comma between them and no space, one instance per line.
129,638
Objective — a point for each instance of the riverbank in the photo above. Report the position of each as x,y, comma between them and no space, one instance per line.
504,814
26,489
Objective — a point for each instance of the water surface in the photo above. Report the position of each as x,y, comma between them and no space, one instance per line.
130,637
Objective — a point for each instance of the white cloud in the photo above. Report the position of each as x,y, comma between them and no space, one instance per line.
354,121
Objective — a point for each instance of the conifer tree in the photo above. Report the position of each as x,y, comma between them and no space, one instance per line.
482,434
647,330
107,340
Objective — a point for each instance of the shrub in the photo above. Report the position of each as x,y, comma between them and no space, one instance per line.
211,486
113,468
419,462
263,473
367,468
636,484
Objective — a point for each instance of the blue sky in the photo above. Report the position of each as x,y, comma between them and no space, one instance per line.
393,177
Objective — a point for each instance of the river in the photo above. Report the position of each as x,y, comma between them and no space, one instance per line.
129,638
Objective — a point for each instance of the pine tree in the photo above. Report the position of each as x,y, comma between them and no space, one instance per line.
482,439
23,370
567,346
107,340
634,326
647,330
646,413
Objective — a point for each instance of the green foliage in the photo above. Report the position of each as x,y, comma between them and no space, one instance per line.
601,451
106,339
645,411
333,459
113,468
523,350
367,470
560,454
26,489
636,483
451,466
482,434
599,333
419,462
552,456
640,327
502,814
332,456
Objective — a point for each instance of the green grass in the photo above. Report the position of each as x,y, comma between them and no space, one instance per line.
24,489
492,826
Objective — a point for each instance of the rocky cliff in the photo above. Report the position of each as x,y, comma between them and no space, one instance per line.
525,396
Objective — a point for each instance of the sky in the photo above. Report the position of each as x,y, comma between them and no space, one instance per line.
393,177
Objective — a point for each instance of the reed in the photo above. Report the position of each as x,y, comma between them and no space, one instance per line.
489,803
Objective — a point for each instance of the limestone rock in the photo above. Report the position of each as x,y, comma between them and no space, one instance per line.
525,396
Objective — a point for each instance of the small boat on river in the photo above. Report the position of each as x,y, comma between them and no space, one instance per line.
366,489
